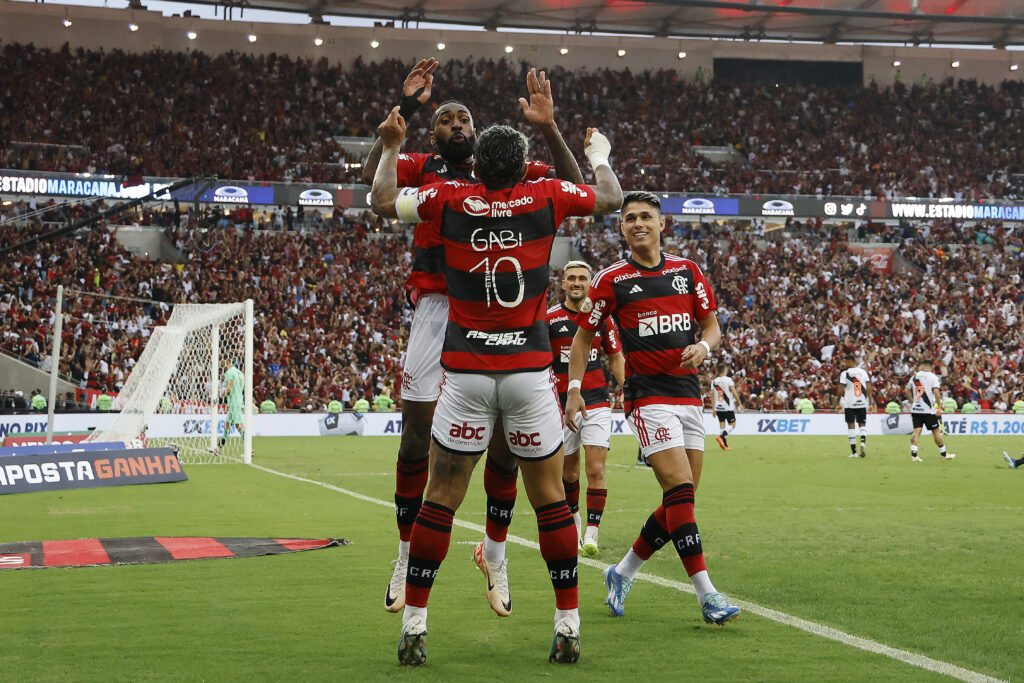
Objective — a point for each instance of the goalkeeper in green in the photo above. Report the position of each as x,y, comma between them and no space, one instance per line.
234,389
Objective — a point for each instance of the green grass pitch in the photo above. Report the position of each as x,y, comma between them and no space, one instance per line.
920,557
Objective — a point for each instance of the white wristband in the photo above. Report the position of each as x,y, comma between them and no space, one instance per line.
574,384
706,346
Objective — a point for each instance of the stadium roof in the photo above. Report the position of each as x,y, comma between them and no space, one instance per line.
913,22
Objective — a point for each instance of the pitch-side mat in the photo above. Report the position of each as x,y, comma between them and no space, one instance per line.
91,552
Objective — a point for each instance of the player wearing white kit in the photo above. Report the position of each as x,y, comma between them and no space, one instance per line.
595,433
497,238
926,408
854,402
660,303
452,131
727,402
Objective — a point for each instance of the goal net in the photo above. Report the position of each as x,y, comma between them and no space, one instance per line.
184,390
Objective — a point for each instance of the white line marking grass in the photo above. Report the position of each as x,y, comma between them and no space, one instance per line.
811,627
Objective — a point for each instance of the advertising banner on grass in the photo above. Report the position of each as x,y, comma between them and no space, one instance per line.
57,471
390,424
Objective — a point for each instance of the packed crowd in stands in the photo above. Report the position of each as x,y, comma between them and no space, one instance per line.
331,313
274,117
332,320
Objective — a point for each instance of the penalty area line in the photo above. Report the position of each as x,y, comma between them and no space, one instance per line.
905,656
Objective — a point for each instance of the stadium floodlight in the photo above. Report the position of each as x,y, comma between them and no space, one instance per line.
621,52
896,63
66,22
374,43
172,397
192,35
441,46
1014,67
682,55
508,49
955,64
252,37
318,41
133,27
563,51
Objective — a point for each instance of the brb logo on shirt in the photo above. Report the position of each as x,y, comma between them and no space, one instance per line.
650,323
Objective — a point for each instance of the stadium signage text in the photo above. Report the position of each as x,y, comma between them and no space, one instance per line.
57,471
93,186
965,211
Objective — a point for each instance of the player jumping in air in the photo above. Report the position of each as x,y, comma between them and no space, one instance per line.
453,133
497,238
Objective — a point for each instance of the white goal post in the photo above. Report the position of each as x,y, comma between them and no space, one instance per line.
176,393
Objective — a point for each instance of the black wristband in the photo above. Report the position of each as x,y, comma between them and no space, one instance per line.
410,104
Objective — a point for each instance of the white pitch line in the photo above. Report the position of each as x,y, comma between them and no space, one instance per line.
811,627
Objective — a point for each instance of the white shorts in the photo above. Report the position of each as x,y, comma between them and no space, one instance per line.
596,431
526,401
659,427
421,375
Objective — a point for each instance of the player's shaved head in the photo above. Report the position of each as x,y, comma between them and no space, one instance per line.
450,105
500,156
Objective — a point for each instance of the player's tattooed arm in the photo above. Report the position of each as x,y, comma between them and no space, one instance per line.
385,181
415,91
540,111
607,191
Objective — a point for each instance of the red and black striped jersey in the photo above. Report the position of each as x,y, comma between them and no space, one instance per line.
496,245
657,311
562,328
416,170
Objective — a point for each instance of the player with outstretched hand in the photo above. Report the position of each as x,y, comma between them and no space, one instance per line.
453,133
660,303
497,238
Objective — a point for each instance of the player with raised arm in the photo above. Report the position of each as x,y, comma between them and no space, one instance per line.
497,238
595,433
452,132
925,408
854,402
727,402
660,304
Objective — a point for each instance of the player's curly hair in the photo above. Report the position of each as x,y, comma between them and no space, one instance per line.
500,156
642,197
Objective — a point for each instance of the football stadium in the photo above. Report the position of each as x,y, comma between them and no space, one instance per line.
362,340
